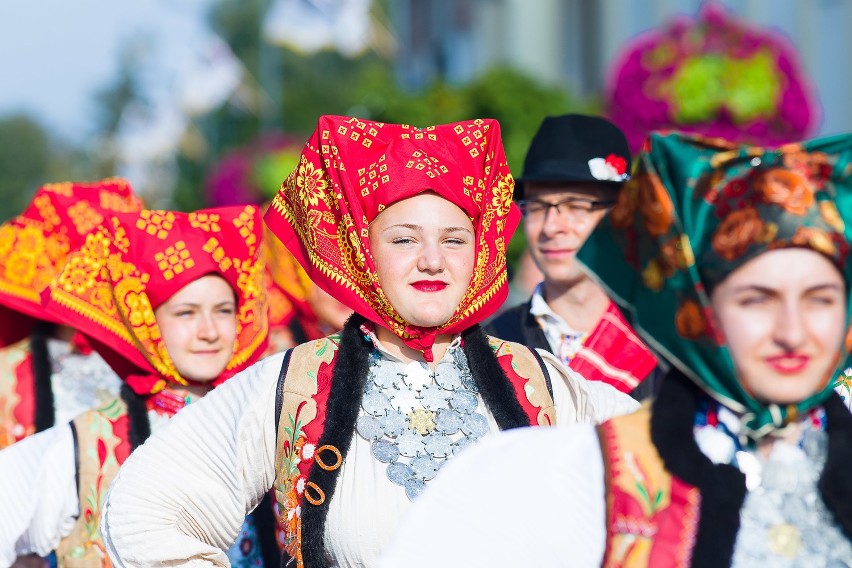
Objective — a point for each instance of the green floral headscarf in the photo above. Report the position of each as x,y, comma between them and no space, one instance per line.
697,209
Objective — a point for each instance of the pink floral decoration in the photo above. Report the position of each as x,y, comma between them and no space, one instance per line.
712,75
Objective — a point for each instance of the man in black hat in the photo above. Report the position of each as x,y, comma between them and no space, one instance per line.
573,171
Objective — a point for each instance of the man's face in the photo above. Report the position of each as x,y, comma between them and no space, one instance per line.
555,234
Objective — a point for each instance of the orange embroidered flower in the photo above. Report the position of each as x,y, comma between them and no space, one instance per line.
690,321
677,253
736,232
655,205
622,213
785,188
813,165
816,239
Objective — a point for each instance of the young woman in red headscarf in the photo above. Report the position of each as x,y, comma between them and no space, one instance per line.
47,375
409,228
174,303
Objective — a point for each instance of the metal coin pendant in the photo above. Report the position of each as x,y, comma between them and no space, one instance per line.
413,488
424,467
392,424
399,473
474,425
447,377
433,397
410,444
368,427
448,421
464,401
439,445
384,451
375,403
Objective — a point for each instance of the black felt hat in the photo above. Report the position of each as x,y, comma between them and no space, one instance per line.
576,148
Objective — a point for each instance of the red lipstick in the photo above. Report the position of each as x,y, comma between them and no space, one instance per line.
429,285
788,363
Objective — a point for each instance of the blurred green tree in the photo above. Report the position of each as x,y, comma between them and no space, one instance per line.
29,158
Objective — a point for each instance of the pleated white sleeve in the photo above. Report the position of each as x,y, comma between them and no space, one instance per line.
525,497
38,493
579,400
182,496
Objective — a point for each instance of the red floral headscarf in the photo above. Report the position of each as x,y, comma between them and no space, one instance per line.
135,262
288,287
351,169
35,245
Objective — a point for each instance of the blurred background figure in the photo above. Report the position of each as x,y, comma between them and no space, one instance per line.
48,372
180,310
298,310
573,175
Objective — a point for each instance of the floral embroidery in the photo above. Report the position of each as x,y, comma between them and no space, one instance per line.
690,321
103,445
786,188
651,516
655,206
737,232
16,421
843,386
292,484
311,183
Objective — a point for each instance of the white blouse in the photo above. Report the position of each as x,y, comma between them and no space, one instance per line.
220,454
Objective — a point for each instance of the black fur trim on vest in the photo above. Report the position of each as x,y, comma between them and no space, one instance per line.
493,384
722,486
834,482
45,412
138,424
344,402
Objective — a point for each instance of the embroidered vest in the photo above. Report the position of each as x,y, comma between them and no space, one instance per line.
651,516
17,393
302,417
103,444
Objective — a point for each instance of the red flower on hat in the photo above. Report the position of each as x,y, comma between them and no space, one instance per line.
618,163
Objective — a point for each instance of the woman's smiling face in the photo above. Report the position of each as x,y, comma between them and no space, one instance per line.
423,248
783,315
199,327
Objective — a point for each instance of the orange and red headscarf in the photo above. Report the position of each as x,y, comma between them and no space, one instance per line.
135,262
288,287
35,245
351,169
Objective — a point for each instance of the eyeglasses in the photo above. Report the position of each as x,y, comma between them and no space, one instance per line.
576,207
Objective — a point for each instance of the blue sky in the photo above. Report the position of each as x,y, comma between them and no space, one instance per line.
55,54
